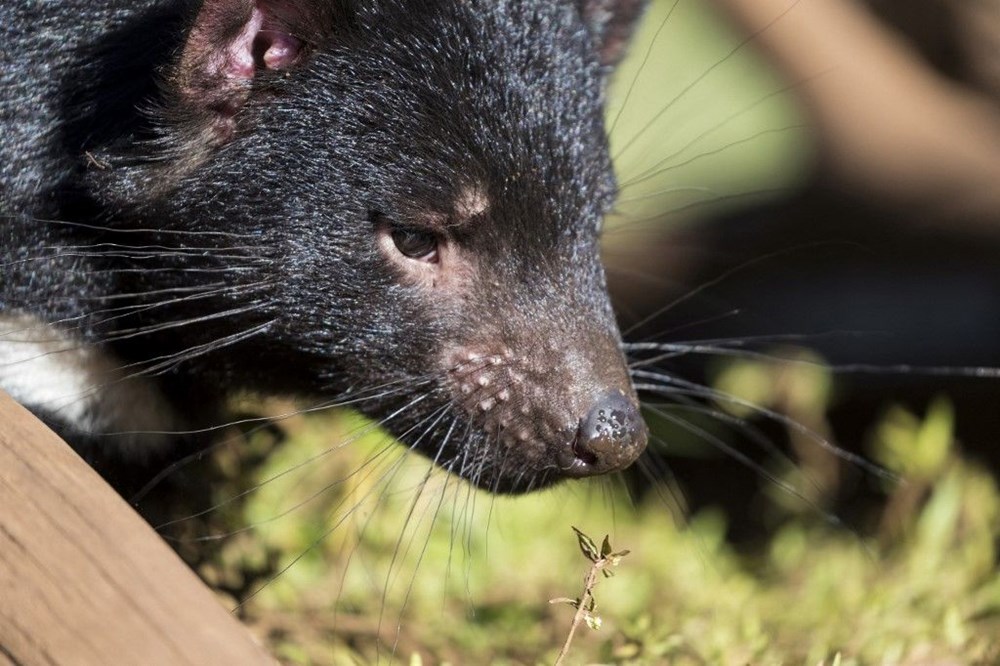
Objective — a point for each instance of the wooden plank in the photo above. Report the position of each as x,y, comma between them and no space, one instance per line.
83,579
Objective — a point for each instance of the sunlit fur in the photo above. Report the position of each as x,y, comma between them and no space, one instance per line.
224,242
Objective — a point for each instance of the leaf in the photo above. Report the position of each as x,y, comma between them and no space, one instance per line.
616,558
605,547
575,603
587,546
593,621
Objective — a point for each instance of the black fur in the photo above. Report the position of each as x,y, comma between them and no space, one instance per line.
119,187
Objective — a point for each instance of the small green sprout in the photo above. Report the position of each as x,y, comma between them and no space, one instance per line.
602,560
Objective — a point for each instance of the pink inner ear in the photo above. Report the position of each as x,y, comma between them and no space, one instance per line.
261,44
280,50
237,61
229,43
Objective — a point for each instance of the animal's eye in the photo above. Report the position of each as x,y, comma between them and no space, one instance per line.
416,244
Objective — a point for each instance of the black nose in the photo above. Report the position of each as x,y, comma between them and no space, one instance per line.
610,438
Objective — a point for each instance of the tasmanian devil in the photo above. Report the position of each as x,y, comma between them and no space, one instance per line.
392,204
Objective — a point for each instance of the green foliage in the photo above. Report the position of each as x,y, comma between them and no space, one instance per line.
446,574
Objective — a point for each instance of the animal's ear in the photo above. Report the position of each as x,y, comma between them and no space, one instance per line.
232,41
612,23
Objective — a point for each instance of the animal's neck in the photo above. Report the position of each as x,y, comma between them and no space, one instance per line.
81,387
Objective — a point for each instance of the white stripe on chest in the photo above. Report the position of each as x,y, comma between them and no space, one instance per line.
47,369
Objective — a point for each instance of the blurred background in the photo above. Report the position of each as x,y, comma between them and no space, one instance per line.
818,175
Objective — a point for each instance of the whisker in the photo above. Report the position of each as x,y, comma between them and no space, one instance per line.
364,430
629,182
671,385
356,398
748,462
435,514
316,542
704,75
357,472
642,66
146,230
725,275
673,350
634,225
707,153
125,311
662,193
136,256
683,403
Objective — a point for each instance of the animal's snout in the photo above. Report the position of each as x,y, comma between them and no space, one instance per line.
537,414
610,437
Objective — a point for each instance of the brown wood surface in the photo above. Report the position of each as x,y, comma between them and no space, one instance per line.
83,579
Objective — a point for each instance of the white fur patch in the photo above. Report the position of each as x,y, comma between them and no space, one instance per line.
45,368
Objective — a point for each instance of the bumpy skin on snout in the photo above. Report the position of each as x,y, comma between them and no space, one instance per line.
391,200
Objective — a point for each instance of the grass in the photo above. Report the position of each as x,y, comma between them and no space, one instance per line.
450,575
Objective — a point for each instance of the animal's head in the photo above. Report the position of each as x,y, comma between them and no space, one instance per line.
426,182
